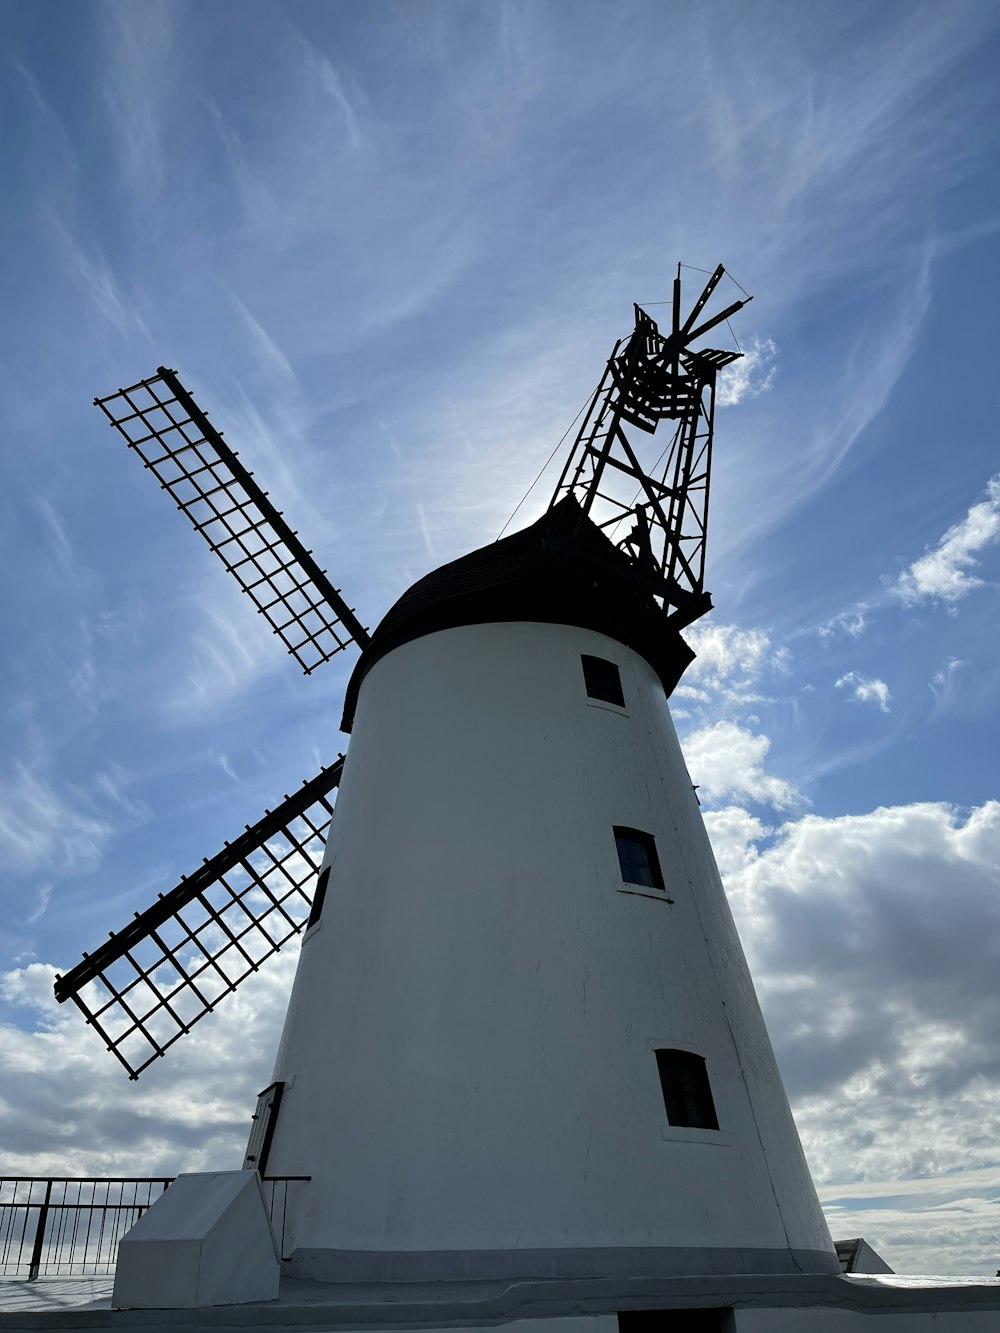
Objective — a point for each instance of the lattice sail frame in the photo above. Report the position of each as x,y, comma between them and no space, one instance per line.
657,515
163,424
152,981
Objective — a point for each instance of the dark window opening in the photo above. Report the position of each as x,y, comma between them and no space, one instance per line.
603,680
637,857
318,896
676,1321
686,1093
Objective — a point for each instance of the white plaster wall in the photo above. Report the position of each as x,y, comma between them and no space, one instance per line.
468,1053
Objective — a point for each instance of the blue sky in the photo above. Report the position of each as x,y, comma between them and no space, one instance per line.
389,247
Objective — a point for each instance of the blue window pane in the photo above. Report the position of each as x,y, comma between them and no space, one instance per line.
637,858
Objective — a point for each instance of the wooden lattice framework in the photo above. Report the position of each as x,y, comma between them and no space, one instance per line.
191,460
149,983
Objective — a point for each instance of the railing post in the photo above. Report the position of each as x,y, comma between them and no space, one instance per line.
36,1249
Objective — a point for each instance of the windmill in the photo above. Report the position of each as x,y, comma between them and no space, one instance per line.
523,1067
522,1038
172,964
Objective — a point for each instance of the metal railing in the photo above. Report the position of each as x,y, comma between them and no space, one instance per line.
276,1198
71,1226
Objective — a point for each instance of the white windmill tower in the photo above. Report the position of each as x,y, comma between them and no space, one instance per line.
523,1040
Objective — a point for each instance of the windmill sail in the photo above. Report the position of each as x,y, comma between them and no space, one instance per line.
150,982
658,515
160,420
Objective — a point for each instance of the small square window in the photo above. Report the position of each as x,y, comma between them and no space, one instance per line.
686,1092
637,858
603,680
318,897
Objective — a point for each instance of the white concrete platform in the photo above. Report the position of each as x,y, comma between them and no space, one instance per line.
784,1303
17,1294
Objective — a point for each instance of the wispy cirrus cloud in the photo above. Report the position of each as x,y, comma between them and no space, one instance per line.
334,85
43,894
837,178
139,66
43,828
220,659
811,436
945,685
97,282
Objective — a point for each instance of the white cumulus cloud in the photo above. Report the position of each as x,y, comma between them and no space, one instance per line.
68,1108
726,761
727,650
730,661
873,943
866,689
734,833
851,623
750,376
945,571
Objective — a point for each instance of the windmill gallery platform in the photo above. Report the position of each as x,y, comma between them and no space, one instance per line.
523,1070
788,1303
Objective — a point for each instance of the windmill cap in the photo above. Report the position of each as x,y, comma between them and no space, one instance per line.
561,570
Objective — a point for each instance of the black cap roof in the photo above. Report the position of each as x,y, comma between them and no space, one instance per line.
561,570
